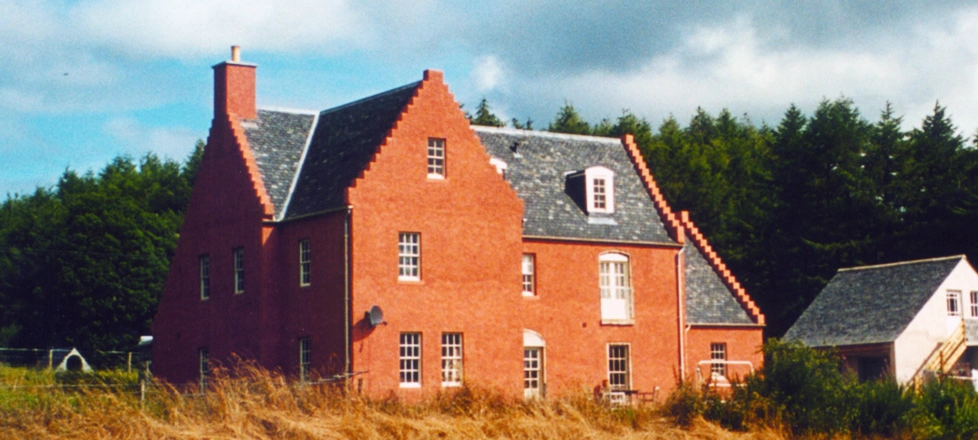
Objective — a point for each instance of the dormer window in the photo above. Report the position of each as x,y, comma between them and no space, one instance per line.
600,184
593,189
436,158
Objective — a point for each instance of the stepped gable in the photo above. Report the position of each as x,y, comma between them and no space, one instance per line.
870,304
277,139
537,165
344,142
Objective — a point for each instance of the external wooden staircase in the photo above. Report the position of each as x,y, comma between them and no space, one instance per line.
944,356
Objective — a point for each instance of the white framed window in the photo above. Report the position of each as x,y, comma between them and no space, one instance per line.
718,352
953,303
532,372
600,187
305,358
529,274
974,304
619,367
436,158
451,359
410,360
616,287
409,256
203,367
305,263
205,277
239,270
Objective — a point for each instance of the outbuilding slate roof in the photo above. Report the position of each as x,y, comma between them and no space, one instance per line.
870,304
537,165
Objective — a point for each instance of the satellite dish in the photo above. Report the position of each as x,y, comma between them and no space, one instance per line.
375,316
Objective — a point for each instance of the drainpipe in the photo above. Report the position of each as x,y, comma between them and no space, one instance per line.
346,291
680,297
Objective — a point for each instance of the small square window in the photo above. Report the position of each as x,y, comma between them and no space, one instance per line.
239,270
436,158
953,303
529,274
409,256
600,195
410,360
305,263
718,352
203,367
618,367
451,359
205,277
305,358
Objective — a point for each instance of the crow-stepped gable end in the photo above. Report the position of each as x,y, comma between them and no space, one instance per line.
390,244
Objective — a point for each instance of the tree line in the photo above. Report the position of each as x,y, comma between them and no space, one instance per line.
83,263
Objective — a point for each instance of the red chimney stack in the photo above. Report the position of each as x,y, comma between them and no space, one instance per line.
234,87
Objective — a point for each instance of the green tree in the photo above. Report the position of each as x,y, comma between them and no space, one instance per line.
569,121
484,115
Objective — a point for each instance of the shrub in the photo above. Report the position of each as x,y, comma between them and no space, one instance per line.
882,407
946,409
685,404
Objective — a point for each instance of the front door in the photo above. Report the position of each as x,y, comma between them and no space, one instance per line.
532,372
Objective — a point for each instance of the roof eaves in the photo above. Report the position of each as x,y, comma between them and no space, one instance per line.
607,241
302,162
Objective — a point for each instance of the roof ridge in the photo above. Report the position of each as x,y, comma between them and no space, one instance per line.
298,170
374,96
901,263
549,134
296,111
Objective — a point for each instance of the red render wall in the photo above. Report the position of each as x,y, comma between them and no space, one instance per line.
743,344
471,228
567,312
225,212
314,311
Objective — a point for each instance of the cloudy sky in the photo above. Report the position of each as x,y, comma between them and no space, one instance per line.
83,82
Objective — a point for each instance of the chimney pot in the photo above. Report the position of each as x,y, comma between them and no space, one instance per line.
236,53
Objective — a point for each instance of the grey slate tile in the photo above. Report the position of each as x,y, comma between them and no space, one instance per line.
277,139
708,300
871,304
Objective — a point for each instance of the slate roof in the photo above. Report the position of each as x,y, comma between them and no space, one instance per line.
870,304
344,142
537,164
277,138
708,300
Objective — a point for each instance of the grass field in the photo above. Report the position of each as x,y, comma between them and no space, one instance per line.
258,404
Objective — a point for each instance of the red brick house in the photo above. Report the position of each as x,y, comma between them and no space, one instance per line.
528,261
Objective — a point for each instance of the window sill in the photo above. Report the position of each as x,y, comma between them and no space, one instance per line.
411,385
451,384
529,295
436,177
411,280
618,322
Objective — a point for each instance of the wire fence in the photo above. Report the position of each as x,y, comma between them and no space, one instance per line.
72,359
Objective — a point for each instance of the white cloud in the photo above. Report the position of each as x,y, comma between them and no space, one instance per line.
487,74
167,142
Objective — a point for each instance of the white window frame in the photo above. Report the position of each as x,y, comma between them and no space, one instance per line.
305,263
305,358
974,304
953,303
203,367
239,270
600,188
409,256
615,283
619,367
436,158
718,352
451,359
528,268
409,356
533,372
205,277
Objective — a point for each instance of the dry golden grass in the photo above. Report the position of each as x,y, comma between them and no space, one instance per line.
257,404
